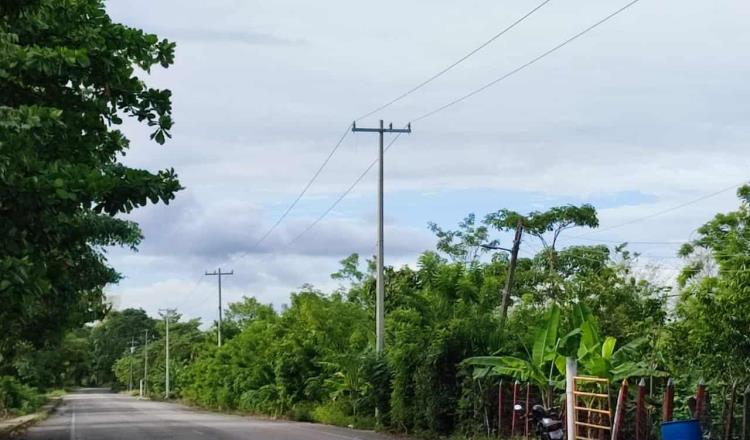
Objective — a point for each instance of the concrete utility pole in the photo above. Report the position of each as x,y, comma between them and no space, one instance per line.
167,315
380,287
219,274
132,350
571,371
145,366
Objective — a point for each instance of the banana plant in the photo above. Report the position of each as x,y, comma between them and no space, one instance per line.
600,357
545,367
539,368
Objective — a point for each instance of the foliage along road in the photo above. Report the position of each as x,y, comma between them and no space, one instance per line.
101,415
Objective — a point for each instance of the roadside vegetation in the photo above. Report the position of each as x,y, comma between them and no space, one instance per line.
17,398
447,344
68,77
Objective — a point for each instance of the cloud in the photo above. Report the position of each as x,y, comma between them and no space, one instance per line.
637,116
216,230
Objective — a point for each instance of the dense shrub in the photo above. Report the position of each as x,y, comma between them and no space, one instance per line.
17,398
313,360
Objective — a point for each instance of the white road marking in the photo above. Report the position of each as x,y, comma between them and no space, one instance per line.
73,425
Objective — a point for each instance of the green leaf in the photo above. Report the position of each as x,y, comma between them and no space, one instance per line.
546,337
569,344
159,137
589,334
581,314
608,347
560,364
629,350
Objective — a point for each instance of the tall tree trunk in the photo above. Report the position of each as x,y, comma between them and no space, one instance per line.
511,271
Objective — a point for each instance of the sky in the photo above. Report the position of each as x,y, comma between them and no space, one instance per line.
645,113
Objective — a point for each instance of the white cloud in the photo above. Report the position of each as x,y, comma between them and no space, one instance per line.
652,102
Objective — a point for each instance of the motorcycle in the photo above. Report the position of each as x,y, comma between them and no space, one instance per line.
547,422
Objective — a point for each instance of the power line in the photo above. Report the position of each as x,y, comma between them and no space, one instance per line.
186,299
341,196
195,306
664,211
524,66
388,104
304,190
461,99
456,63
601,240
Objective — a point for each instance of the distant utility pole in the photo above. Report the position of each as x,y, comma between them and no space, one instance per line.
167,315
132,350
145,366
379,286
219,274
511,269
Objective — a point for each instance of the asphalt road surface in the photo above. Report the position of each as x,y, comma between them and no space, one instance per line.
100,415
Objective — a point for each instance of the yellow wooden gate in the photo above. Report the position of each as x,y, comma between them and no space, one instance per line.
593,413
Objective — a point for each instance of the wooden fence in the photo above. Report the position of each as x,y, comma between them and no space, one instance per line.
640,408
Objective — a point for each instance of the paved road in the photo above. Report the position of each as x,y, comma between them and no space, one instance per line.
100,415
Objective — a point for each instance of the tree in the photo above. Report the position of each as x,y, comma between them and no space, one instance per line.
542,223
67,78
709,337
467,243
114,335
68,362
538,224
242,314
185,341
349,270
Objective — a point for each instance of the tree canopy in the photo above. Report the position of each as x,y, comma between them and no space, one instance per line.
68,77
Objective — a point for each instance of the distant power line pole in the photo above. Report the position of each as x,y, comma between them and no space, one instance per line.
132,350
219,274
145,366
167,315
380,287
511,269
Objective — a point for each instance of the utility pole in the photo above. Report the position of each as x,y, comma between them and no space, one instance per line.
145,366
167,315
132,350
511,269
379,286
219,274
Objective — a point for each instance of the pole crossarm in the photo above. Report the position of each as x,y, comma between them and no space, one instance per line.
495,248
219,274
390,129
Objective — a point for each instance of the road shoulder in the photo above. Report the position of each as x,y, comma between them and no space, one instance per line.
11,427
